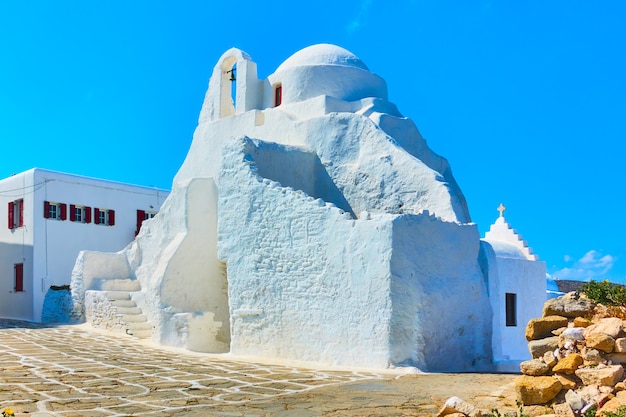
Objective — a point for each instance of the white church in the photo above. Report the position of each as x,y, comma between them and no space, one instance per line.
310,221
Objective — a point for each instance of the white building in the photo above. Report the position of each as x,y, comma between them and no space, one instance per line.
517,291
309,221
49,217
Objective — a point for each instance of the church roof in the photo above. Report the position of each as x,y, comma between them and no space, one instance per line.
322,54
501,233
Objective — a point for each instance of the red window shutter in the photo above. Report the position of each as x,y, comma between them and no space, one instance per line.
96,215
63,211
278,95
87,214
46,209
141,216
19,277
111,217
21,223
11,220
72,213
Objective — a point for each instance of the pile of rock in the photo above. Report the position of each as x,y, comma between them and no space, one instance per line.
577,358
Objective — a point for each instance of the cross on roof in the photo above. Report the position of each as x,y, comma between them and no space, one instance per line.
501,209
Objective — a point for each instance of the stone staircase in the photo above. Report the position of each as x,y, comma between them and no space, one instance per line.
131,318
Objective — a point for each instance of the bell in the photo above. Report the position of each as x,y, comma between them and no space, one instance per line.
232,75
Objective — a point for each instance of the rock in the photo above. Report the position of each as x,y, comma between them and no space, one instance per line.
563,410
569,364
620,345
540,328
570,337
600,341
601,375
611,326
621,396
534,367
536,389
549,359
538,347
568,305
620,386
581,322
455,405
593,357
568,381
616,358
574,400
610,406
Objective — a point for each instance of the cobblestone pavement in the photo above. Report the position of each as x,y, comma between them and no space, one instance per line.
70,371
74,371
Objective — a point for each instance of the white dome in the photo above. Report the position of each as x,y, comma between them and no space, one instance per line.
322,54
506,250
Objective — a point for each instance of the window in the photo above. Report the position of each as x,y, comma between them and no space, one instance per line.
19,277
141,216
278,95
80,214
56,211
104,217
16,214
511,309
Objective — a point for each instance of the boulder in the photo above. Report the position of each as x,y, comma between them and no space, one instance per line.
538,347
616,358
549,359
610,406
611,326
532,390
572,335
568,381
534,367
455,405
600,341
563,410
582,322
574,400
620,386
601,375
569,364
620,345
592,357
568,305
543,327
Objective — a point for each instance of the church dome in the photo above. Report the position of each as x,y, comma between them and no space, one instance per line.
323,54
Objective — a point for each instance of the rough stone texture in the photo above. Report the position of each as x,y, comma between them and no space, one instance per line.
600,341
592,357
543,327
537,348
610,406
534,367
563,410
568,306
454,405
571,335
549,359
620,345
574,400
536,389
611,326
569,364
582,322
609,375
616,358
620,386
568,381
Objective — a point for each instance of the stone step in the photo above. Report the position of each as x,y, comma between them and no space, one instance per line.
123,303
141,334
118,295
128,310
134,318
139,326
120,285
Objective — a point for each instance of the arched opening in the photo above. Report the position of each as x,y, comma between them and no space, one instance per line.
228,87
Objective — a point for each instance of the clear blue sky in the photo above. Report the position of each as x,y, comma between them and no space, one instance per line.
527,100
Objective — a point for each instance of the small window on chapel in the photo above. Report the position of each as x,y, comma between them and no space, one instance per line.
278,94
511,309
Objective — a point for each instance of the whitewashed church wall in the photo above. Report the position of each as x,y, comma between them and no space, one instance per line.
441,317
306,282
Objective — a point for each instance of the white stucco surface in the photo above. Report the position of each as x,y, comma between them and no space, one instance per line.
322,229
